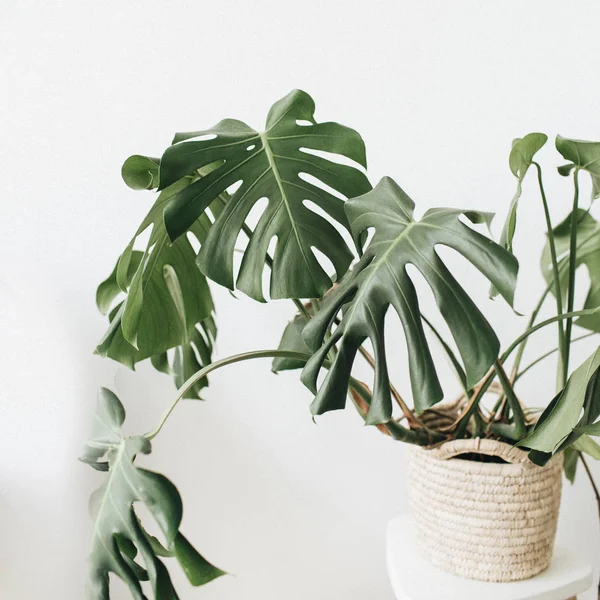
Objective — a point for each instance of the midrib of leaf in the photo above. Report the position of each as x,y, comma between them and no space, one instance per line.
382,260
284,198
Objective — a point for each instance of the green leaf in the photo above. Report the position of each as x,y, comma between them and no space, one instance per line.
587,445
588,255
380,279
118,536
520,159
570,464
167,299
583,154
140,172
556,426
292,340
272,164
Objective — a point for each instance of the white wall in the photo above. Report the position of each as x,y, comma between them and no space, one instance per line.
438,90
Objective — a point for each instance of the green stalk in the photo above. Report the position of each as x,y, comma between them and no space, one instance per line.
557,290
572,269
487,381
541,324
213,367
547,354
530,323
513,401
455,363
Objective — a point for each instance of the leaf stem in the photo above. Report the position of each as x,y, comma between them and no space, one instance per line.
572,269
557,287
541,324
513,401
547,354
213,367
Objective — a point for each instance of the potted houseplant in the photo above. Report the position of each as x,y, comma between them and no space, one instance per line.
160,308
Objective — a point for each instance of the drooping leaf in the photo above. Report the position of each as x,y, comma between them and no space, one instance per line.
583,155
520,159
292,340
380,279
588,255
276,164
570,464
562,423
140,172
119,537
153,318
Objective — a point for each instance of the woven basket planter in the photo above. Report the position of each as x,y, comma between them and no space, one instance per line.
484,520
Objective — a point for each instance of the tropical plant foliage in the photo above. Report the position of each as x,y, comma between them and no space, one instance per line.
380,280
119,536
294,190
284,165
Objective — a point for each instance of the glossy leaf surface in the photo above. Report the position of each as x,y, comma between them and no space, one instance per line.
288,164
380,280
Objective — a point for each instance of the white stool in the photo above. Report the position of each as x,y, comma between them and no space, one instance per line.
413,578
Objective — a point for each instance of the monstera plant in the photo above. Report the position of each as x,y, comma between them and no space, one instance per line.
322,237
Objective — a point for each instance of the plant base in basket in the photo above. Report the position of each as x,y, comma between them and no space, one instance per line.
491,521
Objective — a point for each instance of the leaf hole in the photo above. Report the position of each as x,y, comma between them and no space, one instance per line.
194,242
143,238
233,188
204,138
333,157
251,147
319,184
312,206
303,122
324,262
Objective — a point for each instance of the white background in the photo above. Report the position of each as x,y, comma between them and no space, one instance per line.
438,90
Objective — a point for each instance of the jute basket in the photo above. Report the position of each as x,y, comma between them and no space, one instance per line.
484,520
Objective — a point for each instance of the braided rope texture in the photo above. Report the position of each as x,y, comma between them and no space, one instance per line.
488,521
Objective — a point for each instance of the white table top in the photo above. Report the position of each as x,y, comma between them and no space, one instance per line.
413,578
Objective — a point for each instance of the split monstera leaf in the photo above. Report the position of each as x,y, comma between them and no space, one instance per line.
119,537
294,164
380,280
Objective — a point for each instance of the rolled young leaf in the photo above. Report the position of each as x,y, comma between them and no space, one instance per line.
118,536
140,172
284,164
380,280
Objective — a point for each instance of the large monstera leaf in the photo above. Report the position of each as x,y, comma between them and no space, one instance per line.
280,164
167,299
119,537
380,280
587,255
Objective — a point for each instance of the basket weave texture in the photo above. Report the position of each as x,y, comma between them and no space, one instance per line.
484,520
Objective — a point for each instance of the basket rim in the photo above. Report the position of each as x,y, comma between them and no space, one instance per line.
473,445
